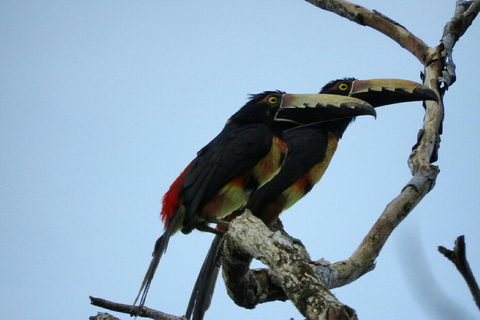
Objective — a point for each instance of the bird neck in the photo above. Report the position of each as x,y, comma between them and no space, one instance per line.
338,127
335,127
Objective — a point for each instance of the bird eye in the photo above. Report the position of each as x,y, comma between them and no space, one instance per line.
273,100
343,86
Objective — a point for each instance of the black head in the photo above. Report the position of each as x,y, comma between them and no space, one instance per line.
341,87
261,108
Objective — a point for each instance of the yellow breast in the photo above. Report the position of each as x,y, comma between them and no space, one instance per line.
298,189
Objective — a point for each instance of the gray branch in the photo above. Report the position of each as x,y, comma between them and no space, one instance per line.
459,258
465,13
290,269
377,21
103,316
129,309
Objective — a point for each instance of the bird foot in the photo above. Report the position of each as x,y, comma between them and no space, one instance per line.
277,226
205,228
218,222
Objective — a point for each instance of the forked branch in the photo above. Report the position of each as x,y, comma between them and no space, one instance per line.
459,258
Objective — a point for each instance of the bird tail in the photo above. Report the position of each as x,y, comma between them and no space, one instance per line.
160,247
204,286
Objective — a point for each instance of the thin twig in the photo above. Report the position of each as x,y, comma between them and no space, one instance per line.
459,258
129,309
465,13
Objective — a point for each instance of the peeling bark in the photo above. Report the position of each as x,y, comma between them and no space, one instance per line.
289,265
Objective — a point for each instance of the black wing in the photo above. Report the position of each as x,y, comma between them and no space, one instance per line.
233,153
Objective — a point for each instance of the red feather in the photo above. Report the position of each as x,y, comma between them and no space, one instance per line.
171,202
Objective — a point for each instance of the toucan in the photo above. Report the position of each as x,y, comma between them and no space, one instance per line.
244,156
310,149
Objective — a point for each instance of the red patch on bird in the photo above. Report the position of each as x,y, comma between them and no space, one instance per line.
302,183
217,207
171,202
237,182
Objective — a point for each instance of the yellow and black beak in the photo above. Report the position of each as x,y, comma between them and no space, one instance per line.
303,109
380,92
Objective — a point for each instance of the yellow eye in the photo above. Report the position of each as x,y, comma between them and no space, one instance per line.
273,100
343,86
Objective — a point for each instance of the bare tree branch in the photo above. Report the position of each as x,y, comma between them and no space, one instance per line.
289,265
377,21
465,13
261,283
363,259
459,258
103,316
248,288
129,309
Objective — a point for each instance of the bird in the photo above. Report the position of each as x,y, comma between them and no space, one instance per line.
244,156
310,150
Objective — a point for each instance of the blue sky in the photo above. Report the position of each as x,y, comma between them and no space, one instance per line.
103,103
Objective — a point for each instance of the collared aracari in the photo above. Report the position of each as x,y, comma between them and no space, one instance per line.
246,154
310,149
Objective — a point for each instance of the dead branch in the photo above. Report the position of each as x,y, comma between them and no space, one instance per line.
129,309
465,13
377,21
246,287
103,316
459,258
289,265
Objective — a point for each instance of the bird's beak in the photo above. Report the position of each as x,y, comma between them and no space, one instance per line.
311,108
380,92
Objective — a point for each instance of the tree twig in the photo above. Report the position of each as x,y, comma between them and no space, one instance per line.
129,309
459,258
363,259
377,21
465,13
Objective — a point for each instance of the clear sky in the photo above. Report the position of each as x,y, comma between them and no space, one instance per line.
103,104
